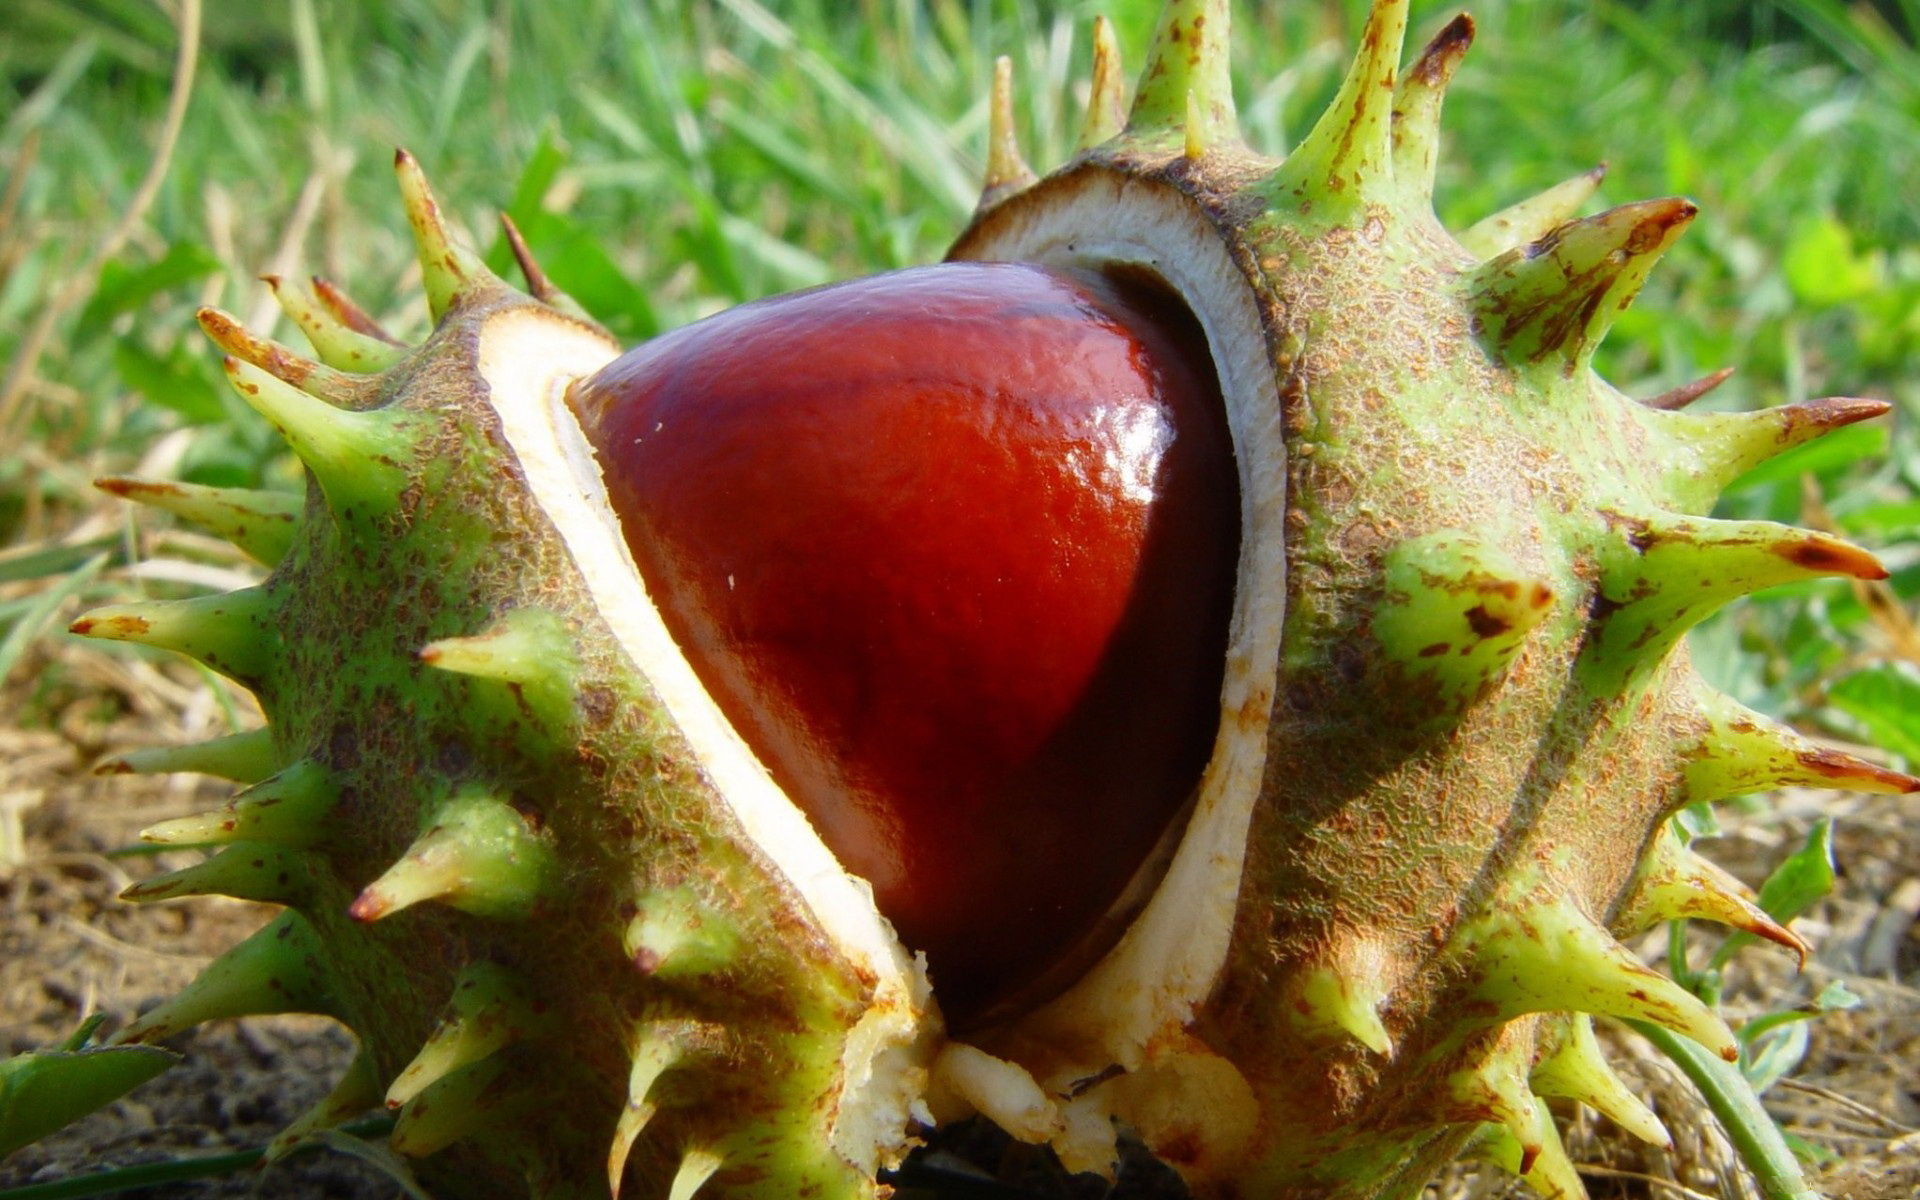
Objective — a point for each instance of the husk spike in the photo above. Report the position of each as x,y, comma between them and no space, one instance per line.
1663,573
1720,447
529,648
1553,300
657,1053
478,854
288,809
487,1012
1741,752
316,379
234,633
1574,1068
259,871
1495,1090
455,1106
355,456
538,284
1346,161
447,269
338,344
1187,78
1343,996
1416,109
245,757
260,523
1533,218
1680,397
1007,169
697,1166
1547,956
1456,612
342,308
1673,883
357,1091
280,969
1106,98
675,935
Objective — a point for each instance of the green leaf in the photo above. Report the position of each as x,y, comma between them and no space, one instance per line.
1886,700
538,176
1766,1059
1795,885
45,1090
47,603
178,380
1804,878
122,287
1822,267
1748,1126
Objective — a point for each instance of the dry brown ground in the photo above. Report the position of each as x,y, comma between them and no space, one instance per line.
69,948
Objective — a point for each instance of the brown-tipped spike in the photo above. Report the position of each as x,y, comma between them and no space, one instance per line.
1106,99
537,282
1741,752
316,379
1546,955
1687,393
260,523
449,271
1346,162
339,345
1416,109
479,854
235,633
1007,171
1494,1089
1662,573
258,871
1553,300
1533,218
343,309
1673,883
1715,448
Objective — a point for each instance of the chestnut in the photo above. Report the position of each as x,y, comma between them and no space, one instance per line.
954,549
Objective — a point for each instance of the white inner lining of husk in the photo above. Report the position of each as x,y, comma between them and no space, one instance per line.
527,358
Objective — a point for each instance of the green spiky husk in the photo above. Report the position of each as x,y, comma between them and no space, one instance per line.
540,795
1457,718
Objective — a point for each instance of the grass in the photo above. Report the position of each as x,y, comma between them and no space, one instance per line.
667,160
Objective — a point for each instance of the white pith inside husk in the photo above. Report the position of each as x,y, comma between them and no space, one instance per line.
528,358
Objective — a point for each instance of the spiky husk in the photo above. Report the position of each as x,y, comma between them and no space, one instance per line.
506,869
1457,714
1473,713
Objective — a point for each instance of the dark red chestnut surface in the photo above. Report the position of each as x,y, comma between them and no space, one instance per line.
954,550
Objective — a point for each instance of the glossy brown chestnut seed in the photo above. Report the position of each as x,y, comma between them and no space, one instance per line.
954,550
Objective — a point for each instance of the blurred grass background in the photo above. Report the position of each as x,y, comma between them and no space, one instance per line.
669,159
